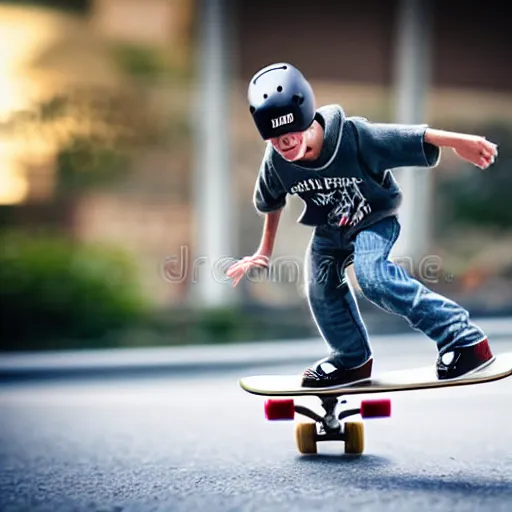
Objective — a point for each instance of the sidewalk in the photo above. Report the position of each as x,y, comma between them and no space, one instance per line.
116,362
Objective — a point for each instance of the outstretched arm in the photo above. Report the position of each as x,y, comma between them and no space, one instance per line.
472,148
261,258
386,146
269,200
268,237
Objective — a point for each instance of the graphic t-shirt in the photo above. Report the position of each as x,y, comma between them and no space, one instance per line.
350,185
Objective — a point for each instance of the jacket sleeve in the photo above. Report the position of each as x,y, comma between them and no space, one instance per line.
386,146
269,192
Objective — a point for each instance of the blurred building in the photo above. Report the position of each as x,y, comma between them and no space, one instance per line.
355,42
160,22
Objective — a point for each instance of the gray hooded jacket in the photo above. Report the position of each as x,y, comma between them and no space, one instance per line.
350,185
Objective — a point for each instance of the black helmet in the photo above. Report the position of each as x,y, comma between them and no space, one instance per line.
281,100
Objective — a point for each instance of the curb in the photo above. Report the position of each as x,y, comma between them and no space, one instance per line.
168,361
155,361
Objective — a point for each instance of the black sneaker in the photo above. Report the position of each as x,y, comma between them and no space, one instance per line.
464,360
328,372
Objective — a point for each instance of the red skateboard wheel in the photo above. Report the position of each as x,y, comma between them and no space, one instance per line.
376,408
279,409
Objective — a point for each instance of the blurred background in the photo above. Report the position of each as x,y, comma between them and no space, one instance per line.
128,160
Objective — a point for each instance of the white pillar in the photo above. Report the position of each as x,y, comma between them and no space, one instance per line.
412,81
214,202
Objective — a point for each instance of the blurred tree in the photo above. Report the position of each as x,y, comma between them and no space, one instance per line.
479,198
94,132
57,292
151,63
84,163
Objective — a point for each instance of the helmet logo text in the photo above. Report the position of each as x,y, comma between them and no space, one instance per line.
280,121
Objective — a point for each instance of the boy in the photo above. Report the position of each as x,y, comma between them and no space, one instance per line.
340,167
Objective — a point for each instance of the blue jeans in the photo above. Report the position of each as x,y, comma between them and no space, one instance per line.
383,283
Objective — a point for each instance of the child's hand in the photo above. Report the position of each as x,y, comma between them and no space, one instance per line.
238,269
476,150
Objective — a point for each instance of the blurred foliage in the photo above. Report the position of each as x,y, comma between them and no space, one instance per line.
95,132
149,62
117,117
84,163
184,325
138,61
189,325
78,6
479,198
56,292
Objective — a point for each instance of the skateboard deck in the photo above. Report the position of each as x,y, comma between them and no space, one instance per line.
398,380
332,425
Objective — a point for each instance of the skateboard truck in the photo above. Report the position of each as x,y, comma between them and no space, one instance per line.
332,426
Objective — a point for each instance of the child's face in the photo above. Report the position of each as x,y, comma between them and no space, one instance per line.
291,146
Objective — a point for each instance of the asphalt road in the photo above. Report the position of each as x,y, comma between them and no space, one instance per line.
198,442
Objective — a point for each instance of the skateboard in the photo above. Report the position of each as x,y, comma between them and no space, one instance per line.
331,426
